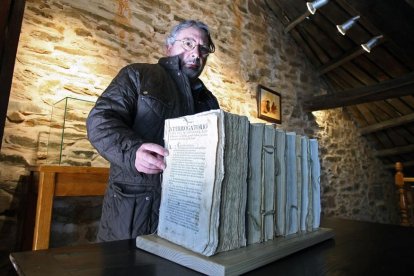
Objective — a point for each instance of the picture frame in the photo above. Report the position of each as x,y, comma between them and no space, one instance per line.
269,104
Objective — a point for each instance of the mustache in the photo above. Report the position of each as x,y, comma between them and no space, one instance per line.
193,62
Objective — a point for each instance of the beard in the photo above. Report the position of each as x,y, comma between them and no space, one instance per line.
192,68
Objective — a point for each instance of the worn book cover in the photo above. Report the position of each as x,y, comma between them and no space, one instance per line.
204,187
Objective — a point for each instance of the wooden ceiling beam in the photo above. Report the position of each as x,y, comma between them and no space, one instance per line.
296,21
300,37
395,29
341,60
399,87
405,164
395,151
350,55
394,122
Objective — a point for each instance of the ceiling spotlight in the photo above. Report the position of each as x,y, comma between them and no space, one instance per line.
347,25
371,43
313,6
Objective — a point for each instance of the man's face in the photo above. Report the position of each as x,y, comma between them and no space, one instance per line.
192,60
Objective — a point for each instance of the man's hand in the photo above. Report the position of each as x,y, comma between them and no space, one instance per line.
149,158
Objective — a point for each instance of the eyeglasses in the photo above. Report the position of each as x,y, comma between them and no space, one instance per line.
189,44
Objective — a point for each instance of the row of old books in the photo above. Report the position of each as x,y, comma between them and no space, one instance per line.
230,183
283,186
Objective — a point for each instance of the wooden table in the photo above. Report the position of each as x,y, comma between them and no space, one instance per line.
48,181
358,248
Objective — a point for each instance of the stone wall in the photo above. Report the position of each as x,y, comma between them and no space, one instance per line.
354,183
73,48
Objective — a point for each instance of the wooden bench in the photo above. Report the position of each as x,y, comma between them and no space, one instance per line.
405,192
49,181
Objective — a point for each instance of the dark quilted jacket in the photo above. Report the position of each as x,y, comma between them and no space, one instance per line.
131,111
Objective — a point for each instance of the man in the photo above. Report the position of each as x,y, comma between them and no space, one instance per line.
126,126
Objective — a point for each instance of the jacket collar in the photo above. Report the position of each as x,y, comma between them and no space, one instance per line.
172,63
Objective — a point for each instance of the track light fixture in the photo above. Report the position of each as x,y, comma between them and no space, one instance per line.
347,25
371,43
313,6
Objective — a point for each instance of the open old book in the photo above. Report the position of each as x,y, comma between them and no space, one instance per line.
204,189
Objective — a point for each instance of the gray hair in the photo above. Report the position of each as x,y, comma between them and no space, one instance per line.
187,24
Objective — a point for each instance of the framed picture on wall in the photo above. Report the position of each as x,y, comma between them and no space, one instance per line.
269,104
